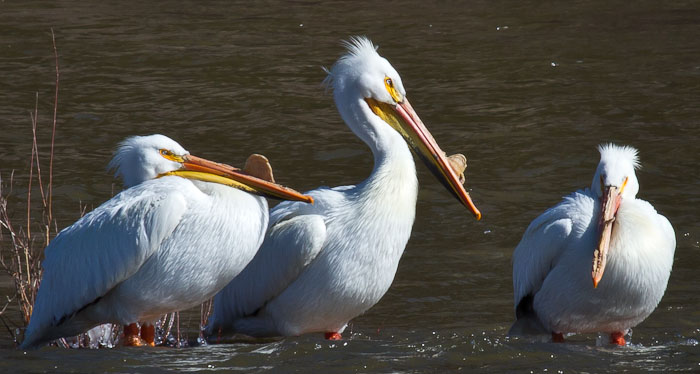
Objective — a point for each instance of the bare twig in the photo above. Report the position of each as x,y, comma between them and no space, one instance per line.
177,315
53,135
31,163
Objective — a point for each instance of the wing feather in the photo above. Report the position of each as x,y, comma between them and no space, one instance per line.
295,237
289,247
105,247
545,240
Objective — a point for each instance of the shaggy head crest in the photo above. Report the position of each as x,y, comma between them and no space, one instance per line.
358,48
615,153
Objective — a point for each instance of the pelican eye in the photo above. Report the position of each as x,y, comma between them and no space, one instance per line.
389,84
169,155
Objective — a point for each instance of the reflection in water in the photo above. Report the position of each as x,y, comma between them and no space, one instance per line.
232,78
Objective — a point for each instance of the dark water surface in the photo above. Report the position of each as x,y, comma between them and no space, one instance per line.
525,90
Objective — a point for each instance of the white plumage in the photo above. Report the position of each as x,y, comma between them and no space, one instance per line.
162,245
554,277
322,265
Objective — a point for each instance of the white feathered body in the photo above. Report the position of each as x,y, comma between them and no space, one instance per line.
324,264
163,245
552,264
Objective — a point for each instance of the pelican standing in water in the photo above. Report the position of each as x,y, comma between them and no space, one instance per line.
556,288
175,237
322,265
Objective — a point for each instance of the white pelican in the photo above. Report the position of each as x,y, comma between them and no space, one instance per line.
322,265
602,228
170,241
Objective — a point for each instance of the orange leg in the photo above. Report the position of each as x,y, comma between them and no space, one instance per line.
618,338
333,336
557,337
131,335
148,334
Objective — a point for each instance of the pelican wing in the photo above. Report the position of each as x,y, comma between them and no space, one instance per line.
544,242
105,247
289,247
537,253
295,237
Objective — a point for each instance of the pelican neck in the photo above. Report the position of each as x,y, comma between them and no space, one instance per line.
394,170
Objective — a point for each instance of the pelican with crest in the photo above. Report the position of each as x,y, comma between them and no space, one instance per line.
599,261
322,265
183,228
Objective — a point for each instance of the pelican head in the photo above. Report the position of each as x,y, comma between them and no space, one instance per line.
142,158
138,158
613,182
371,98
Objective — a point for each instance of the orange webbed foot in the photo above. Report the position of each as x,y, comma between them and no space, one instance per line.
148,334
131,336
557,337
618,338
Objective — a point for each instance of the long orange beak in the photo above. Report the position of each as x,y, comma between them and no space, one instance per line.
608,211
198,168
404,119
